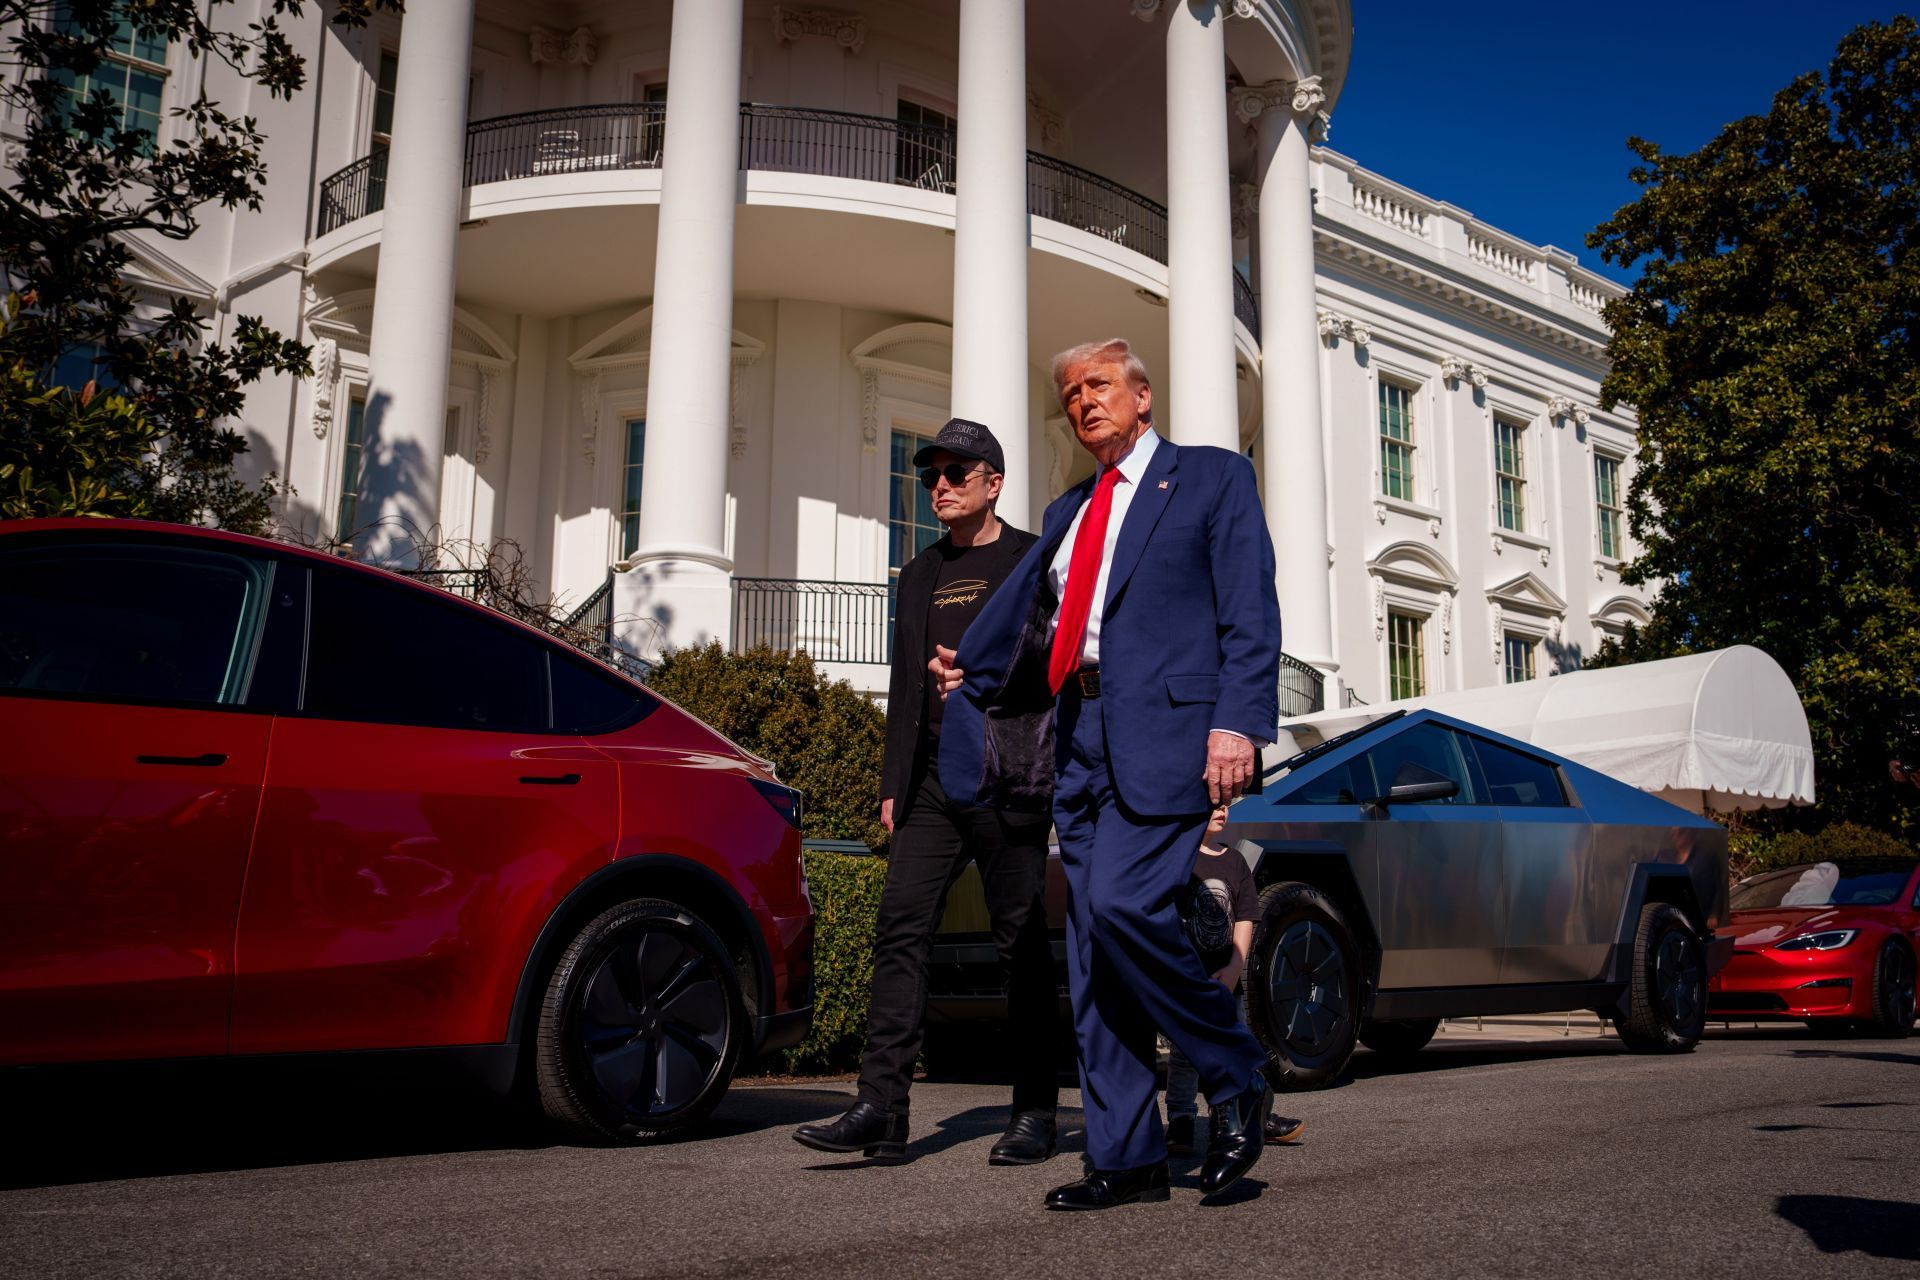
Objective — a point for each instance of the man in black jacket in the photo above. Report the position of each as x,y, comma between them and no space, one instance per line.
940,591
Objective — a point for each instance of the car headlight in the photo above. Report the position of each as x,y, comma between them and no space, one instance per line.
1832,940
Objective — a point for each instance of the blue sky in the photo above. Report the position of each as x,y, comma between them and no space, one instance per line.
1520,113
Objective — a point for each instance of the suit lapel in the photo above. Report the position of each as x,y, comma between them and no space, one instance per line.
1143,513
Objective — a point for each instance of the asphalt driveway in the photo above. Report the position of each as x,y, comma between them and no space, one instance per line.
1764,1153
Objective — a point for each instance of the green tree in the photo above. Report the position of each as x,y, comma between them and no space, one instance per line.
1769,348
92,175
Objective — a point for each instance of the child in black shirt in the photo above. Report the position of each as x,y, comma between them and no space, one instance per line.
1218,907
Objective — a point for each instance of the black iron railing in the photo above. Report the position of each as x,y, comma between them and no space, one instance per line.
832,621
354,192
1067,193
1355,700
478,585
841,144
595,613
1245,309
1302,688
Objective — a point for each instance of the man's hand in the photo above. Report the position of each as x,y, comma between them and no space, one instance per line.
886,813
1229,766
1229,977
946,676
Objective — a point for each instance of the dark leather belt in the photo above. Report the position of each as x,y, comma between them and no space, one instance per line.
1088,680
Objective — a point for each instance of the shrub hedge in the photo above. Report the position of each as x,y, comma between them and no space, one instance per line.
846,902
1749,853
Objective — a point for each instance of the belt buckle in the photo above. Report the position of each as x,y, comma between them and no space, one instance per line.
1089,679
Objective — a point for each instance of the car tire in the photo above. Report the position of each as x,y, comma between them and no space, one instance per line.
1398,1039
1666,1005
1303,986
641,1024
1893,992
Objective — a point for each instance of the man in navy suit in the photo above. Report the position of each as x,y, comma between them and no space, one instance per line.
1124,675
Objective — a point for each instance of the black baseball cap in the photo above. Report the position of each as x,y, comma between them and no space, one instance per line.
967,440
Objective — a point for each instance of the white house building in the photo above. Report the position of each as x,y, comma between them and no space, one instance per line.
666,292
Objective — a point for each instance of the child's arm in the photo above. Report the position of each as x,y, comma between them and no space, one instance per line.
1242,944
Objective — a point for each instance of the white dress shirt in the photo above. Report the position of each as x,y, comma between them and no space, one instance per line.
1131,468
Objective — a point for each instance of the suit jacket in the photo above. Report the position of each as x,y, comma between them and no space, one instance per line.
907,686
1189,642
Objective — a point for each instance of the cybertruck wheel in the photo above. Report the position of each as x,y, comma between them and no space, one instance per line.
1893,992
1398,1039
641,1025
1666,1006
1303,986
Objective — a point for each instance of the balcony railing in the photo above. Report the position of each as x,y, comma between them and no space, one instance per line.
1302,688
832,621
837,144
1245,308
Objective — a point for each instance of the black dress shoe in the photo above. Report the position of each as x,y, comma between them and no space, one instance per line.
1028,1140
1239,1131
1104,1190
1180,1136
864,1128
1281,1128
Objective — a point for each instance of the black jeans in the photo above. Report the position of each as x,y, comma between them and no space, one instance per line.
930,849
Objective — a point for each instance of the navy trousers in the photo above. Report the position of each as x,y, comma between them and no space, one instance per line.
1131,965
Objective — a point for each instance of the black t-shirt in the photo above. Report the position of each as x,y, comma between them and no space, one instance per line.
966,576
1220,894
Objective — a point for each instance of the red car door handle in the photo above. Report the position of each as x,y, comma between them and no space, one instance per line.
207,761
559,780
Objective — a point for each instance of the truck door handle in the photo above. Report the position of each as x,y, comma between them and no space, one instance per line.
559,780
207,761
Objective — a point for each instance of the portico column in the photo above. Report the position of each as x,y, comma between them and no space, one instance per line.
1294,459
990,237
1203,407
406,415
680,575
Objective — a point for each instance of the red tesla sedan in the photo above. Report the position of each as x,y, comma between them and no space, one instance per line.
1827,942
257,800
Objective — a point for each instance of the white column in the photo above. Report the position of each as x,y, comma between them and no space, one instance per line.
1294,459
406,420
990,237
1203,407
680,578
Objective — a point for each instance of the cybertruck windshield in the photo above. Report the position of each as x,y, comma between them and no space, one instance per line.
1278,771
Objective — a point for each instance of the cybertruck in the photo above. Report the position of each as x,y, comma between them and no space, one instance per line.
1421,868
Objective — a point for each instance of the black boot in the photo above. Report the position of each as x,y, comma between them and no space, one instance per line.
864,1128
1105,1189
1028,1140
1239,1131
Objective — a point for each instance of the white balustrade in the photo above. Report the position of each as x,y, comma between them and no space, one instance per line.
1499,257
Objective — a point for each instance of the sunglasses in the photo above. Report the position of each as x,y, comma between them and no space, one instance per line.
956,474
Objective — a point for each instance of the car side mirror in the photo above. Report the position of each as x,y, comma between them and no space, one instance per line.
1416,792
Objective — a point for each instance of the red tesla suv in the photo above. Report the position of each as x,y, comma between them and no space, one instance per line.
1828,942
257,800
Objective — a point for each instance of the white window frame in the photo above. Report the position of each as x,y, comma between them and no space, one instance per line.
1427,459
175,71
1619,459
1422,618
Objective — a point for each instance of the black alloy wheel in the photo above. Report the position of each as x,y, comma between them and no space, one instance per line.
1304,985
1666,1008
1893,991
642,1024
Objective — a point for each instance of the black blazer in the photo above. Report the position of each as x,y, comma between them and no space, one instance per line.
900,770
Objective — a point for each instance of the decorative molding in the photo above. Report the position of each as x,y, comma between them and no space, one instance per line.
1145,10
870,411
1456,370
743,358
1047,122
326,365
1499,633
1379,608
848,30
1433,526
577,48
1246,208
1305,99
1333,327
13,154
1446,623
483,420
589,389
1562,407
1379,512
871,360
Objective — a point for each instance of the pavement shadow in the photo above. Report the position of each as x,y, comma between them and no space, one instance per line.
1368,1065
970,1125
1845,1224
1861,1055
754,1109
106,1123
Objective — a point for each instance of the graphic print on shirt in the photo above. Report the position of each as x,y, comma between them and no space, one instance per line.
1212,925
959,594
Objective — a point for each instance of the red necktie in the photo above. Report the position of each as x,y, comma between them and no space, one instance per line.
1083,572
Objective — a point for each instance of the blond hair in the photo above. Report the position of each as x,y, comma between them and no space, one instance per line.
1112,351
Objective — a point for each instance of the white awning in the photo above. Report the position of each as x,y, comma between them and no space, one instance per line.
1711,731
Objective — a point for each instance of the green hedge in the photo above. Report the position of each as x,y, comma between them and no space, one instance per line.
846,902
1750,852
